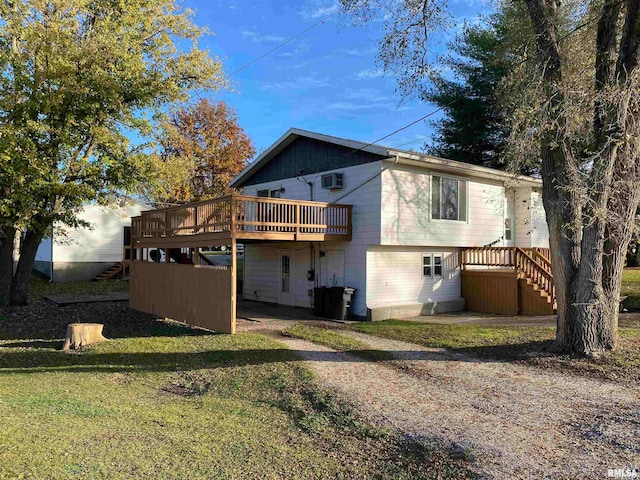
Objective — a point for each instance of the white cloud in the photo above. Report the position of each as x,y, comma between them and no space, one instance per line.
368,74
352,52
301,83
252,34
300,48
353,106
367,94
319,9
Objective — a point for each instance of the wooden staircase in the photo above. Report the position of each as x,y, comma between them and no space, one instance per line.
119,268
535,269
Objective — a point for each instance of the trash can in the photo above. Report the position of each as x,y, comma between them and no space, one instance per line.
338,305
318,301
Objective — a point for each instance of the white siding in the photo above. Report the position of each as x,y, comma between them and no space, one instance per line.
394,276
531,223
363,191
44,251
406,212
102,242
540,229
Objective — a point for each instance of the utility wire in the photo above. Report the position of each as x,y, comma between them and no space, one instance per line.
280,45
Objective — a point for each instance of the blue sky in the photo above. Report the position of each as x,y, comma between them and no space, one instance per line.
326,81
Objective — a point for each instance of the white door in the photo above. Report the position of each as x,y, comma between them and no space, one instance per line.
285,278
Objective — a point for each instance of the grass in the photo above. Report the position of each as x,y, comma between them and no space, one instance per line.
40,287
631,287
532,345
335,341
160,400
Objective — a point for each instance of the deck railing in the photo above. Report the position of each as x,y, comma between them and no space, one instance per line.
531,263
240,215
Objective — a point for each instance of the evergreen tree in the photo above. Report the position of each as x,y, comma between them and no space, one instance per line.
472,129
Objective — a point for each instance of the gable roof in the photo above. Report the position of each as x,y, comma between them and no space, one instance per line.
377,152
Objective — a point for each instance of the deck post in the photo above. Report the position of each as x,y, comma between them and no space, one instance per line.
234,266
297,220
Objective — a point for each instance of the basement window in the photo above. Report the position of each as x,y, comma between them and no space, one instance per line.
432,265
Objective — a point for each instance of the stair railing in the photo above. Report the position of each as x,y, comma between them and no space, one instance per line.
536,271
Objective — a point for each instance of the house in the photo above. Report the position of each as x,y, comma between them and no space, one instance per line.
412,215
412,234
85,252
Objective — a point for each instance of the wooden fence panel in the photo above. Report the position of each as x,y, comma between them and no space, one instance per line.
197,296
490,291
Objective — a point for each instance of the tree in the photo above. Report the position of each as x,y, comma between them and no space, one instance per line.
581,108
202,148
78,76
473,130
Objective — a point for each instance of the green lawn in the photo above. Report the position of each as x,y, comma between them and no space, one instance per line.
160,400
532,345
333,339
631,287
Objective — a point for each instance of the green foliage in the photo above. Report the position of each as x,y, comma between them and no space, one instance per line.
77,77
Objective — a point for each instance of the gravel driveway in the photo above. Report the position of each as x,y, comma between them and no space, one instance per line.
513,421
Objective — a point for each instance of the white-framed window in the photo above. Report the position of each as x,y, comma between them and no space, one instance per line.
427,270
273,193
432,265
449,198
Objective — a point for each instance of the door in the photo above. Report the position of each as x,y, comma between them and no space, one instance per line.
285,278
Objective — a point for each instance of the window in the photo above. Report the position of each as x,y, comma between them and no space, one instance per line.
333,181
274,193
507,229
432,265
426,265
437,265
448,198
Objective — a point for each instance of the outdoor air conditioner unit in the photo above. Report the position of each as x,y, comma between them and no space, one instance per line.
156,255
333,181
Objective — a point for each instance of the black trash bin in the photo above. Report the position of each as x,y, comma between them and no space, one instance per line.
339,302
319,294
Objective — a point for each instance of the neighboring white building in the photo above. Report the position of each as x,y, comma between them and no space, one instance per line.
84,252
412,215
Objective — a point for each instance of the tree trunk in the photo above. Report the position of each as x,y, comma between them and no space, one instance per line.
7,236
28,249
82,334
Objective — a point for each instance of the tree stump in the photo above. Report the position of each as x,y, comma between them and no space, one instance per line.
82,334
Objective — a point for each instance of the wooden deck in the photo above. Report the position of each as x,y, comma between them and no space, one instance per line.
508,280
241,218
